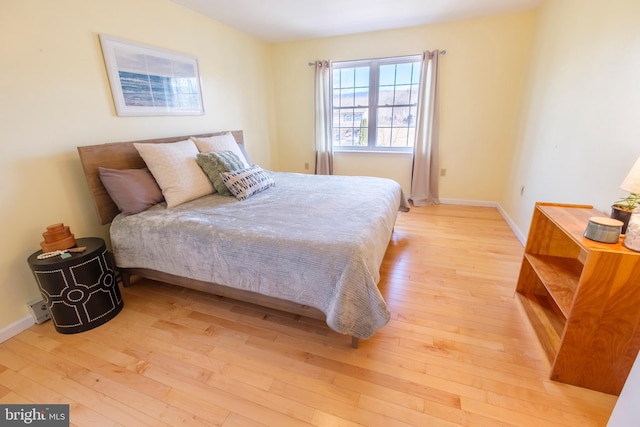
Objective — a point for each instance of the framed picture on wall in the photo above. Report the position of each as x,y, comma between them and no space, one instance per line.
149,81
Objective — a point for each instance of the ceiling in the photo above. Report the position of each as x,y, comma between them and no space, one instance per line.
284,20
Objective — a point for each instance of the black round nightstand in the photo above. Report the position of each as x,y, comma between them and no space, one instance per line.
81,291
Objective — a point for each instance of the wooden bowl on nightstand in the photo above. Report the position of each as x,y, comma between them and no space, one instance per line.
57,237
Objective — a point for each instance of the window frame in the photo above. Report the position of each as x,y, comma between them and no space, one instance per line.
372,106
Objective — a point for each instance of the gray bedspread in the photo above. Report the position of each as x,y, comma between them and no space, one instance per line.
314,240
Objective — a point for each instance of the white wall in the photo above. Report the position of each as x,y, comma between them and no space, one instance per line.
55,96
482,78
580,131
627,411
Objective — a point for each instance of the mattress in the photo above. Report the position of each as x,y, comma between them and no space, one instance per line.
316,240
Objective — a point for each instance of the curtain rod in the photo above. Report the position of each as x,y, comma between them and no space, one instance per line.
442,52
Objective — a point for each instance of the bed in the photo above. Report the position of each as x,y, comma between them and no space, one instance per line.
310,245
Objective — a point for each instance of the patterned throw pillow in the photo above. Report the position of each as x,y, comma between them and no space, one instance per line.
246,182
213,164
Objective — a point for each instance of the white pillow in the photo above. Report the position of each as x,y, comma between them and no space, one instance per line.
174,167
224,142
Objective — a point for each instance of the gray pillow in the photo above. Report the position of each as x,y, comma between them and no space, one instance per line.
132,190
213,164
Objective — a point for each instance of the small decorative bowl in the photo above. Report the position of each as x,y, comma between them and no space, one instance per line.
57,237
603,229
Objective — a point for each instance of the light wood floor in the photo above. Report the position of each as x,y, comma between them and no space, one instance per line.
458,350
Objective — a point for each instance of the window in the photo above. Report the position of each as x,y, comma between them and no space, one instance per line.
375,103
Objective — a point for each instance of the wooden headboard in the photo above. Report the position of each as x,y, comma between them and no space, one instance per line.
120,155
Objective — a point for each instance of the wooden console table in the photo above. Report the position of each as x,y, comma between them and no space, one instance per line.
582,298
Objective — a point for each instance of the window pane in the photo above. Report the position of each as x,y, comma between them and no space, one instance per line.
364,130
394,112
386,95
346,136
400,116
402,95
399,137
336,137
361,96
385,115
415,78
350,127
399,94
411,137
351,86
414,94
411,120
336,118
346,77
346,97
336,98
362,77
384,137
404,73
387,75
351,77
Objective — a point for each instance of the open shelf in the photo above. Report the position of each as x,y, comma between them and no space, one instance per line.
559,276
581,298
545,321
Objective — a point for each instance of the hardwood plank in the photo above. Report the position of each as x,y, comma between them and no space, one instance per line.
459,350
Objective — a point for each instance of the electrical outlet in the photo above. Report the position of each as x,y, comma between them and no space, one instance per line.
522,190
306,165
443,172
39,310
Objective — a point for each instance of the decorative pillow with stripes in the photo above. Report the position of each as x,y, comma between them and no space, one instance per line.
245,183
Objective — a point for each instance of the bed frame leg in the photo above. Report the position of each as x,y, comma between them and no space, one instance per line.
126,279
355,342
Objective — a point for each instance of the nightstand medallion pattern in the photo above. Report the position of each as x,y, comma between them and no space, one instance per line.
80,292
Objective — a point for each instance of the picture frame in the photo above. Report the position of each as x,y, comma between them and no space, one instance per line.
150,81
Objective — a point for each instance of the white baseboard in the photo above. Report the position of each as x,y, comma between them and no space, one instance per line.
16,327
514,227
469,202
521,237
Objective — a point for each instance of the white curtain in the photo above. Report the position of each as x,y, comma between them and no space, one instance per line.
424,176
324,146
